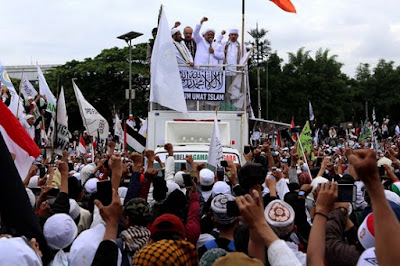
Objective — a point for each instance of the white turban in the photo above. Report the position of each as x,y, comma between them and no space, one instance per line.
234,31
174,31
208,30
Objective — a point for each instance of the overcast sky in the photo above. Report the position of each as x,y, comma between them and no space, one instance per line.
54,32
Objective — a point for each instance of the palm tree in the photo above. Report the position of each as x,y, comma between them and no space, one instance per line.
261,45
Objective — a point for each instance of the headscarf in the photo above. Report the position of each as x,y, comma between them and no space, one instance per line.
167,252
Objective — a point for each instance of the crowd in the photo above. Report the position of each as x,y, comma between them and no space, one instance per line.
276,208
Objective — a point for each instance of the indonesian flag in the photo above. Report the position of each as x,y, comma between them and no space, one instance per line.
18,141
82,145
293,126
285,5
43,136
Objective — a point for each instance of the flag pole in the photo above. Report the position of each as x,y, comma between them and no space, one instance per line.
243,19
19,94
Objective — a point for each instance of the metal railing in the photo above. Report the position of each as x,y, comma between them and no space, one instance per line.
209,86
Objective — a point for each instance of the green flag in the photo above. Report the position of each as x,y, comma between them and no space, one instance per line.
306,141
365,131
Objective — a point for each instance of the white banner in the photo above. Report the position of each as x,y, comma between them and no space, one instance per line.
45,90
203,85
215,154
26,88
92,120
62,137
118,130
166,86
8,94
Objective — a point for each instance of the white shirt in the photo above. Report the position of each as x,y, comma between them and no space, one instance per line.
231,56
30,129
182,53
203,55
397,130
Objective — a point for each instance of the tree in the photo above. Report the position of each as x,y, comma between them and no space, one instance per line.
103,80
260,44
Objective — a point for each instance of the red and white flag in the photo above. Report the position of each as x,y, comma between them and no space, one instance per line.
82,146
18,141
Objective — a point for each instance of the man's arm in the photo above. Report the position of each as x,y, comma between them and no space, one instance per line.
386,225
196,34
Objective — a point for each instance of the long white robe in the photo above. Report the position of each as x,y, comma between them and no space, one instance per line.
203,55
231,56
182,53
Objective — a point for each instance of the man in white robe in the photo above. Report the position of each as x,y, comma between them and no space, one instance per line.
232,50
208,52
182,53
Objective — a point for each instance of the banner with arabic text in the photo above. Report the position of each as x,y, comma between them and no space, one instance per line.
203,84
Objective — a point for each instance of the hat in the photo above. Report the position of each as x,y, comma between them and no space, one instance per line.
172,186
31,196
30,98
28,117
168,223
219,209
280,216
366,232
208,30
167,252
251,174
236,259
33,181
211,256
384,160
174,31
221,187
138,209
59,231
368,258
74,209
122,192
91,185
234,31
16,251
206,177
178,178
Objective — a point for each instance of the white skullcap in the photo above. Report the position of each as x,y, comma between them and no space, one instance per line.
206,177
15,251
60,231
280,216
28,117
234,31
208,30
30,98
77,176
74,209
31,197
33,181
172,186
178,178
85,246
221,187
122,192
174,31
91,185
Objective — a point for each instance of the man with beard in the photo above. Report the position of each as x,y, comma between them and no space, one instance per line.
183,55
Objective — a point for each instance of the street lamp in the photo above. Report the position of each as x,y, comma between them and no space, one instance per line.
128,37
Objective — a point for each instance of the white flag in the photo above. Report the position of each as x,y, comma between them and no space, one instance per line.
311,111
143,128
373,115
215,153
62,137
9,95
92,120
166,84
118,130
26,88
45,90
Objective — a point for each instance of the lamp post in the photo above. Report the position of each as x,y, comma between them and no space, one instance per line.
128,37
